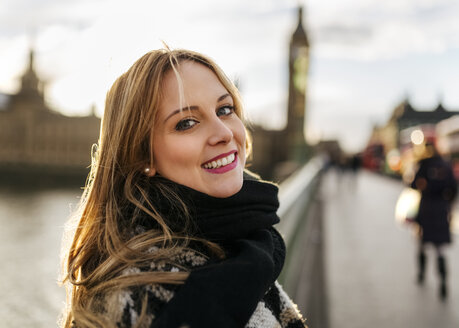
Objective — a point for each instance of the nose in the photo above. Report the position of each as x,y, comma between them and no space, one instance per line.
220,132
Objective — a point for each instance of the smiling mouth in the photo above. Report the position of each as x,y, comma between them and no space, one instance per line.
221,162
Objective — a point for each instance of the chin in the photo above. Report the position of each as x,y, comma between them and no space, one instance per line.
226,191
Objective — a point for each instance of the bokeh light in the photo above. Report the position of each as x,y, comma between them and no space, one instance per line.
417,137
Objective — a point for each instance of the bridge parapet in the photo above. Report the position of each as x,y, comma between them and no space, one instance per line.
303,276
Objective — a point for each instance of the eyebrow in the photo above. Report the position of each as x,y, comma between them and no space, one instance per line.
180,110
222,97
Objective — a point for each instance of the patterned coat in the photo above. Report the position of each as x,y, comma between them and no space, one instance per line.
275,310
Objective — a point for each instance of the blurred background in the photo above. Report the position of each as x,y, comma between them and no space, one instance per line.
358,83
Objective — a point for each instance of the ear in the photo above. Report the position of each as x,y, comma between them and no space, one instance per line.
149,171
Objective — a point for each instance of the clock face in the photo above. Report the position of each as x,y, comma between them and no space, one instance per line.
300,68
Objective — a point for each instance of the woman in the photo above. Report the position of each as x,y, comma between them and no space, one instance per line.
435,180
173,231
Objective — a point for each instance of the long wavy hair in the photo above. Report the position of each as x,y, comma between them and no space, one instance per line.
99,244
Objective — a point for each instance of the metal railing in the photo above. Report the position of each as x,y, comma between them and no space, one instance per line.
295,195
300,212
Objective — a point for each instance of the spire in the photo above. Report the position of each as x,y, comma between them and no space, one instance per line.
93,109
440,107
300,35
407,105
31,59
30,82
300,16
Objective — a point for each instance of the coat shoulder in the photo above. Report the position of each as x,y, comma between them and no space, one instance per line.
276,310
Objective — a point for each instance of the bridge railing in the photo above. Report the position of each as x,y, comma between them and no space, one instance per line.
300,212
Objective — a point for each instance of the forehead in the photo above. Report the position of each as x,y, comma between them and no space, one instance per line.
190,82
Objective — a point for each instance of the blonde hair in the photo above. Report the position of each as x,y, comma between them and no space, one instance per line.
101,246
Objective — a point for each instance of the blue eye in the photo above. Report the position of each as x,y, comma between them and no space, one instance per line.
225,111
185,124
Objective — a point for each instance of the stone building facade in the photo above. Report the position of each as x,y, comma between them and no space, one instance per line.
37,140
405,116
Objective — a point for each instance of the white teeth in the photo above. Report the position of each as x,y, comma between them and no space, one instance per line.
221,162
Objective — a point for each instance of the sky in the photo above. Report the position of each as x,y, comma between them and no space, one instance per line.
366,56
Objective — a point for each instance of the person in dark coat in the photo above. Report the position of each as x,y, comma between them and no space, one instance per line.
435,180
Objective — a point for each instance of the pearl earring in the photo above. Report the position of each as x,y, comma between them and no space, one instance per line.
147,170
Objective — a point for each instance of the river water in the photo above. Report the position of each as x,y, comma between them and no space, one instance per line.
31,228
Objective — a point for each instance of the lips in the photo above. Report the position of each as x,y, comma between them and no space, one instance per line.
222,163
220,160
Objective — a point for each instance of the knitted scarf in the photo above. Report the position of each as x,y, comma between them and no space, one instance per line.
225,293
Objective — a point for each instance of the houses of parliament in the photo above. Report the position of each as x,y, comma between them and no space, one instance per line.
37,141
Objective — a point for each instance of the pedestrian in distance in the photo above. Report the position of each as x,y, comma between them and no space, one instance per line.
173,230
435,180
355,163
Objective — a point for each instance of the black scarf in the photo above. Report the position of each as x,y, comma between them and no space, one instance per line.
225,293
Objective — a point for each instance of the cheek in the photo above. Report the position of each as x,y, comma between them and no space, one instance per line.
165,154
239,133
173,153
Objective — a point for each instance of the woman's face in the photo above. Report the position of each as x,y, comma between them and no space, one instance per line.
199,141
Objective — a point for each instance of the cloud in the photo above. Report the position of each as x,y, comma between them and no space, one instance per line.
30,16
375,30
344,34
242,40
361,49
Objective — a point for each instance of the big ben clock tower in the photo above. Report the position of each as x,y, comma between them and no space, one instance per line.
298,72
